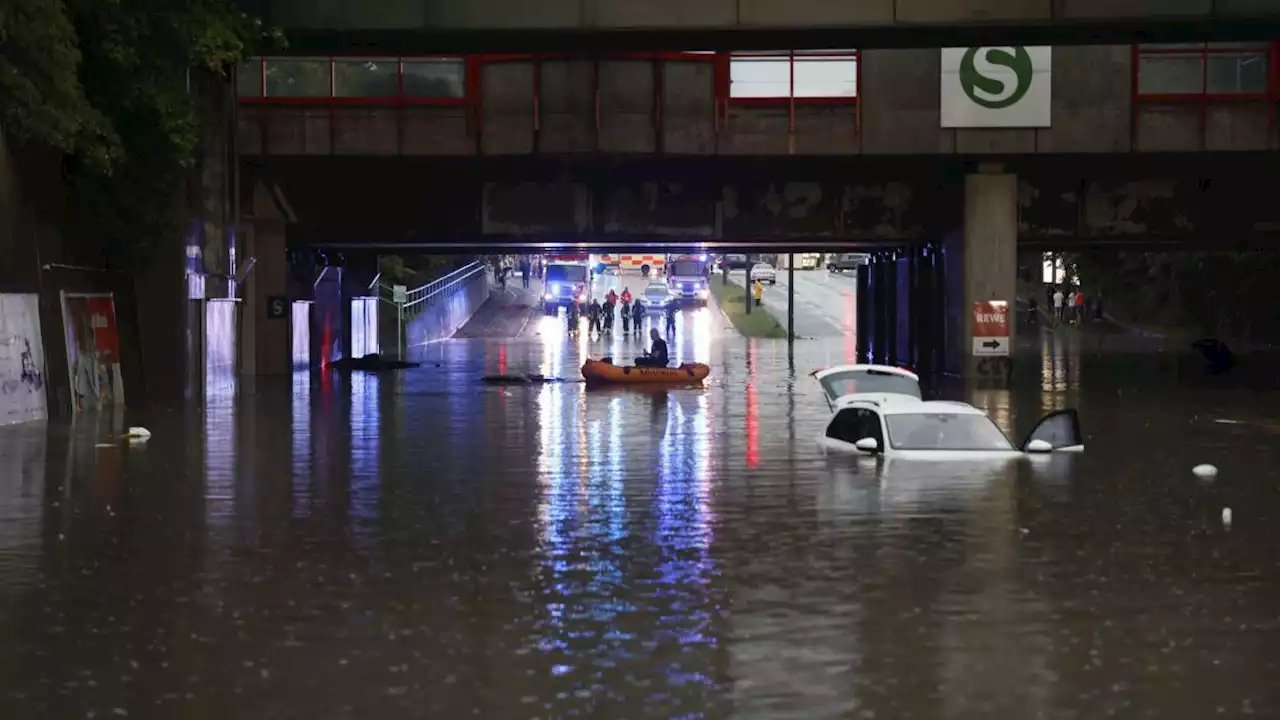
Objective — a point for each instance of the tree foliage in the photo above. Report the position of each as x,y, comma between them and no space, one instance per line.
108,83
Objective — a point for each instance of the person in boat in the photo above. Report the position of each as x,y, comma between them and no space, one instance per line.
657,354
637,316
593,316
626,316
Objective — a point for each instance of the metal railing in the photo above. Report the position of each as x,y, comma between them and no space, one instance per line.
418,300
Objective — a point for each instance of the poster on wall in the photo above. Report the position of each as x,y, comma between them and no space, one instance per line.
22,396
93,351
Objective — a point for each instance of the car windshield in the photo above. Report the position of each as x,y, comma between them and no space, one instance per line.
764,266
686,268
869,381
566,273
655,291
944,431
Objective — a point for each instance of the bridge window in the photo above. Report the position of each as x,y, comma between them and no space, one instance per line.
1175,70
800,75
424,80
435,78
298,77
366,78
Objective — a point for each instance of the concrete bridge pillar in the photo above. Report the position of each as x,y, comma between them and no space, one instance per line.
265,341
990,254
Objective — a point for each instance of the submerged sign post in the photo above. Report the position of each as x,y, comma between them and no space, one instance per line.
990,328
996,87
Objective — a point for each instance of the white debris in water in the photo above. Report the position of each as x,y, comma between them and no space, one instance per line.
1226,516
1225,421
1205,470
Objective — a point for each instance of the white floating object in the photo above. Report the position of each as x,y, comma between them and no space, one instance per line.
1226,516
137,435
1205,471
1225,421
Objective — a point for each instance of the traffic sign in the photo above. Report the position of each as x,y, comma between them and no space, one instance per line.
399,294
990,328
277,307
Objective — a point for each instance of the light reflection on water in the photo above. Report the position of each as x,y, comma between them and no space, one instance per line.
424,545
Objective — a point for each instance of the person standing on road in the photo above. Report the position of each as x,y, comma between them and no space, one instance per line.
1058,300
671,319
757,289
524,272
593,316
606,316
1079,307
637,316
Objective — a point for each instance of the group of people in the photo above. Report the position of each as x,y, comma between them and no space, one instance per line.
600,316
1070,307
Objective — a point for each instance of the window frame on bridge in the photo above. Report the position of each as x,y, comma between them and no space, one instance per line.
471,97
1204,95
725,99
259,66
1205,53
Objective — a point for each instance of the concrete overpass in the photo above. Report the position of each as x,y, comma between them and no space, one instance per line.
410,26
1132,147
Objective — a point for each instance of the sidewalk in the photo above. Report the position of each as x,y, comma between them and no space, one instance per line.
506,313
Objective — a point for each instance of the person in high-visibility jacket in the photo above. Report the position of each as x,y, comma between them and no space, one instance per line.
757,289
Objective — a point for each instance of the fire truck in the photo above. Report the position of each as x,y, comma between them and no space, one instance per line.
687,278
566,280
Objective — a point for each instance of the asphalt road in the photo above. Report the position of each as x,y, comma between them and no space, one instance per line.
826,303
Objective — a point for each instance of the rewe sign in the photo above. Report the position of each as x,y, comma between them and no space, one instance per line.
996,87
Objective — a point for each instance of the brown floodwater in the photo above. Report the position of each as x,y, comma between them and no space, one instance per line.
422,545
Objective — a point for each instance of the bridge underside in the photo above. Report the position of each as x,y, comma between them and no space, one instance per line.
1201,201
414,26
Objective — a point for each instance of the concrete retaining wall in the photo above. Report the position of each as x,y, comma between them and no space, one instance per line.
446,313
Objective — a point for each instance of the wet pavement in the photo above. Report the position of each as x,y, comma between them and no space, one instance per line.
422,545
825,302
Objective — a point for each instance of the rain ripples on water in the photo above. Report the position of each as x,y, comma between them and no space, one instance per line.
425,546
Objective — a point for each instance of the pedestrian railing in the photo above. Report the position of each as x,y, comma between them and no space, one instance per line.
412,303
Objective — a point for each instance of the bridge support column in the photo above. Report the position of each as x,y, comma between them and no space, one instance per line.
264,329
990,256
862,314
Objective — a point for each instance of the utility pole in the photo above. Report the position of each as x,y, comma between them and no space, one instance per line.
791,297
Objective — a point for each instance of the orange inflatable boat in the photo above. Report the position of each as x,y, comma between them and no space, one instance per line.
602,372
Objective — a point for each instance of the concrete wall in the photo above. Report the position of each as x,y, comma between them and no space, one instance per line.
668,107
686,14
446,314
1216,201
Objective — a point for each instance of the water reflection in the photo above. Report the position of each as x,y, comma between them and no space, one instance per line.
428,545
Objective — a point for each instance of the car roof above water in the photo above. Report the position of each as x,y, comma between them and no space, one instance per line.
897,404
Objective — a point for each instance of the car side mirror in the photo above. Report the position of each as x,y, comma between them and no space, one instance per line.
868,445
1039,446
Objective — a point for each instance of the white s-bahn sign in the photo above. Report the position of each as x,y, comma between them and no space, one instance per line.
996,87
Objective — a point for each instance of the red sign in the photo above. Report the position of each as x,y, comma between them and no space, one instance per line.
991,319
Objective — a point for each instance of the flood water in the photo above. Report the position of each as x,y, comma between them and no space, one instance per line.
423,546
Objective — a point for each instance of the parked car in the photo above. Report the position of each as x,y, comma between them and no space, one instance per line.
765,273
847,261
656,297
734,262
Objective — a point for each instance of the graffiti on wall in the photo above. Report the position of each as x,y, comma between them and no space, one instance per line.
93,351
22,395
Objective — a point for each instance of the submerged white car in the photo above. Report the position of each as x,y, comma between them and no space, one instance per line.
884,415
